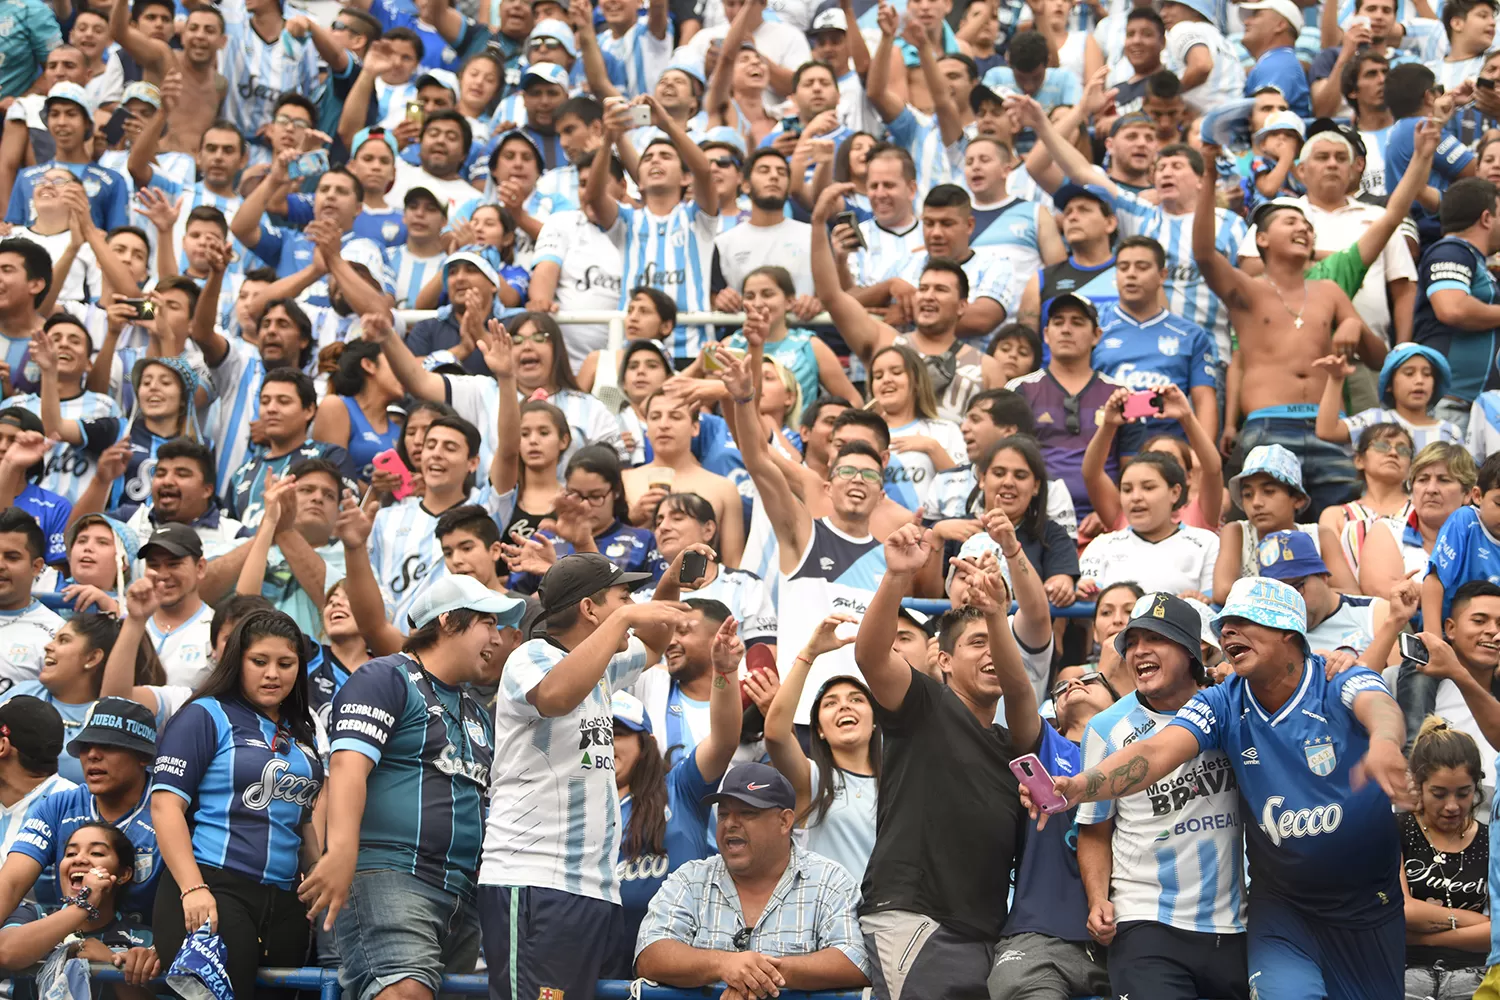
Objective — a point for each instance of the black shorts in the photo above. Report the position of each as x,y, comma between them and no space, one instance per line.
1153,960
536,940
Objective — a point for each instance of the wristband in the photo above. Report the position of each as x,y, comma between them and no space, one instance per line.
748,399
804,658
192,889
1011,555
82,902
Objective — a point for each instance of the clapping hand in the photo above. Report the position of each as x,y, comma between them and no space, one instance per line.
355,521
496,350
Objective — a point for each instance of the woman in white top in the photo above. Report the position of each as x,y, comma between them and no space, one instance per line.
1442,475
1074,50
1382,457
836,788
1153,550
922,445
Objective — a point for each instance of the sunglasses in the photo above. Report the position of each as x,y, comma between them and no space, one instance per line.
725,162
544,43
1386,447
851,472
1090,678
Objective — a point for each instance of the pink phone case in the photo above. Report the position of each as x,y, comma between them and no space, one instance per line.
1141,404
389,461
1030,772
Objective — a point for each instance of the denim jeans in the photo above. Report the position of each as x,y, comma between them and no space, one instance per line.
1328,473
394,926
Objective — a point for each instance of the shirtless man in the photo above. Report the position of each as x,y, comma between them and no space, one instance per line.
202,39
939,301
672,423
1285,324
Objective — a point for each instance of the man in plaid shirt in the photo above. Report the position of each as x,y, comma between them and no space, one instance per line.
763,914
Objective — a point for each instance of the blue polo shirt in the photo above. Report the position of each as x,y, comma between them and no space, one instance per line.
1281,69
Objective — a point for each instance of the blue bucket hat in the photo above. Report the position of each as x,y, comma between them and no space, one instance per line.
125,536
1442,375
1264,601
1272,460
1203,7
1289,555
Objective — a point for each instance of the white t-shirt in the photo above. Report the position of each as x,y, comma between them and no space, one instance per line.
455,193
589,263
186,652
83,283
747,247
24,635
1182,561
909,475
554,818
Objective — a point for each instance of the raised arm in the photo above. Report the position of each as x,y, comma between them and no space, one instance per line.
505,467
246,223
1074,164
786,753
693,158
581,18
596,192
566,685
204,329
353,527
1230,284
718,100
1384,763
1328,426
151,55
978,584
1373,240
877,86
1128,769
1102,491
1442,663
418,380
1176,406
725,717
861,331
949,122
889,676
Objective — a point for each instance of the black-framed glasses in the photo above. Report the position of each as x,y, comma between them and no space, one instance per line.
1071,419
1093,677
850,472
592,499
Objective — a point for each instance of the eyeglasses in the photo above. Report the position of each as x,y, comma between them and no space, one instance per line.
1094,677
725,163
287,121
1297,583
52,182
592,499
544,43
1071,419
536,337
1386,447
851,472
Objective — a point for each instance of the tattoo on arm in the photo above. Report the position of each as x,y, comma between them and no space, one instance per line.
1125,778
719,681
1092,782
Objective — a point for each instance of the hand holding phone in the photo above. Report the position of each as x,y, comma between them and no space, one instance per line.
851,220
694,568
1029,771
1412,648
640,115
389,461
1143,404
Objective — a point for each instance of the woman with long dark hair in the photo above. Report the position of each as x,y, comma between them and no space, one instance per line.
661,808
232,802
837,781
354,413
540,356
922,444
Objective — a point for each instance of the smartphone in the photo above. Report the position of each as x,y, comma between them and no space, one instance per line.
389,461
114,129
414,112
694,567
852,221
757,657
144,308
1030,772
792,125
1143,404
307,165
1484,84
640,116
1412,648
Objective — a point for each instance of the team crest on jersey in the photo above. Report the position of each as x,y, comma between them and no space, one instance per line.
389,231
1321,760
615,550
476,732
143,865
1167,345
91,185
1113,343
548,993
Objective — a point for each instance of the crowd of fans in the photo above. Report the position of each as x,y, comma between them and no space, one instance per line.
368,602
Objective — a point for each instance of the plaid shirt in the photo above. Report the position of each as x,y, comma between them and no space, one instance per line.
811,909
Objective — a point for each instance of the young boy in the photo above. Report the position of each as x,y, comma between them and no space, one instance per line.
1269,490
1466,548
1280,142
1412,379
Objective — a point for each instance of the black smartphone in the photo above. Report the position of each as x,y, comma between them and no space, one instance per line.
792,125
1413,648
114,129
1484,84
694,567
852,221
144,308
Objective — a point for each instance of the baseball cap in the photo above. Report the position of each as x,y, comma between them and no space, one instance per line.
140,90
1066,299
475,254
67,90
1069,191
1203,8
512,136
1266,209
1442,375
419,191
760,786
917,618
454,593
1287,555
1264,601
176,539
1168,616
1286,8
553,28
364,135
1282,121
117,722
828,19
980,93
561,3
1328,130
1128,120
442,77
629,712
32,726
580,575
1271,460
546,73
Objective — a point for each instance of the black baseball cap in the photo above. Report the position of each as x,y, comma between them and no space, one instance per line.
117,722
580,575
32,726
1349,135
1167,616
174,538
760,786
1069,299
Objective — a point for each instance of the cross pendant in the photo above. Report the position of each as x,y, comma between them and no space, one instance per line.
1298,323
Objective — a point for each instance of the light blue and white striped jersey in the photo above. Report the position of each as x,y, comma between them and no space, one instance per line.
1009,228
673,254
70,467
13,817
1373,179
645,56
477,400
391,98
195,195
918,133
1179,856
991,275
1226,81
885,250
328,327
258,72
1450,73
405,553
410,272
554,817
1188,295
236,380
746,596
557,189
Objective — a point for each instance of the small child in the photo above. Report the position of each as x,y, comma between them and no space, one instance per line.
1412,379
1280,143
1269,490
1467,547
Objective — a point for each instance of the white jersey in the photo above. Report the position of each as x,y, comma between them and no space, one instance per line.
1451,73
953,488
672,253
259,72
856,112
747,247
410,273
554,817
745,595
1178,847
13,817
910,475
1226,81
1182,561
458,196
477,399
885,251
24,635
186,652
71,467
589,264
83,283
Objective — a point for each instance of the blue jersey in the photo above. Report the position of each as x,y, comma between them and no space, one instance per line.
1153,354
1465,550
325,679
52,511
686,839
1456,264
432,746
57,817
1448,163
135,485
246,488
250,787
1049,895
365,442
109,194
1314,843
1279,68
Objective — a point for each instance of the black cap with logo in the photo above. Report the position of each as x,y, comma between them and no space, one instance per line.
759,786
175,539
580,575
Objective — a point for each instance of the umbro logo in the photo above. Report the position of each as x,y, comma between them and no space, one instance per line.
1250,755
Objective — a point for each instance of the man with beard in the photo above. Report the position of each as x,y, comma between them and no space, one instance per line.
220,155
1163,942
768,237
442,153
678,709
203,37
